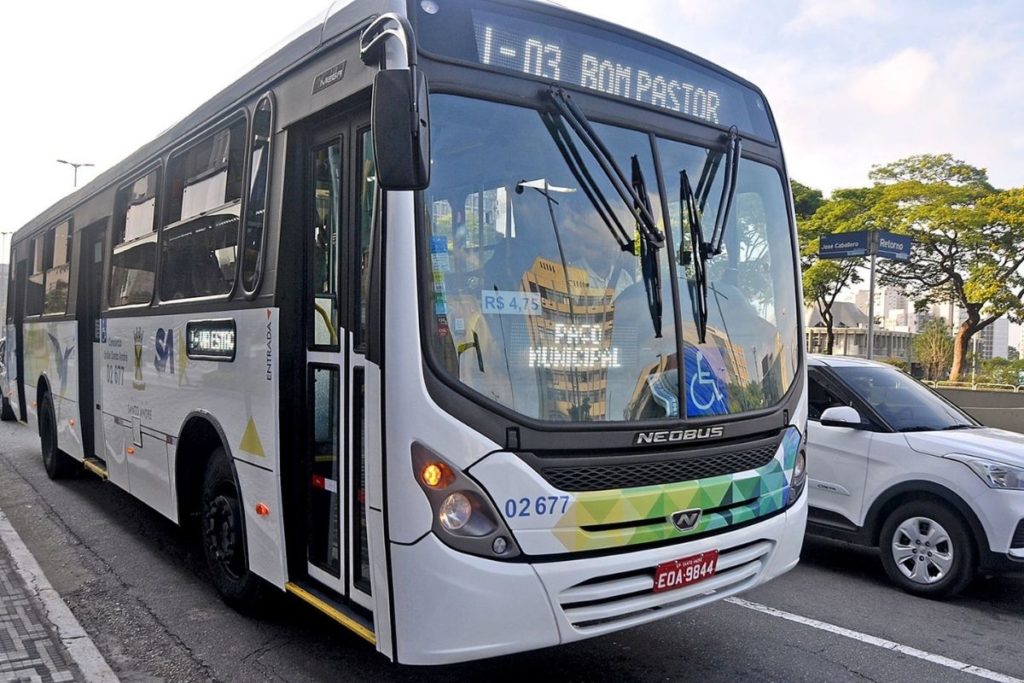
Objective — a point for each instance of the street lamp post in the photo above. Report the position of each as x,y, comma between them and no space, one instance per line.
74,166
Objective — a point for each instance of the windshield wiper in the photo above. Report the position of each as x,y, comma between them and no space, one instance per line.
933,428
734,146
578,168
689,215
581,126
650,264
633,194
691,205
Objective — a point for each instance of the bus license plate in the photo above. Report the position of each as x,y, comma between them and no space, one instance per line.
683,572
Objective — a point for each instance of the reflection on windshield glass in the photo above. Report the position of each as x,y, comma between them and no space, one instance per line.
904,403
537,306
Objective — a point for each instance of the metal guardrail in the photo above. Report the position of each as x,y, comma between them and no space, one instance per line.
977,386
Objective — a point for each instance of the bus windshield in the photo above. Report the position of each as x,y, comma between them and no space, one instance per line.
537,304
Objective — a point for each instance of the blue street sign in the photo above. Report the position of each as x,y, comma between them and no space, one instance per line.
843,245
893,246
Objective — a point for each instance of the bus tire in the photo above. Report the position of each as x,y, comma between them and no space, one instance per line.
223,536
58,464
6,413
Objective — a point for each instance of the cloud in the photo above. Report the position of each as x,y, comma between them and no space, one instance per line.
896,84
815,14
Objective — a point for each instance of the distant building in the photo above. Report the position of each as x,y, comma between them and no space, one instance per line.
893,310
994,340
850,334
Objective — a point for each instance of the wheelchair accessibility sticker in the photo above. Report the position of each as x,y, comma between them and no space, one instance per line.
706,391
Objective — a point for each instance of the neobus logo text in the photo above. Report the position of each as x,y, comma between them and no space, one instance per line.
675,435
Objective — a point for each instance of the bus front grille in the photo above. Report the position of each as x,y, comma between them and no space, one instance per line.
603,477
607,603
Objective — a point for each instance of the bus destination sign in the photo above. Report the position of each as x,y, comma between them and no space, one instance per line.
596,60
582,54
594,71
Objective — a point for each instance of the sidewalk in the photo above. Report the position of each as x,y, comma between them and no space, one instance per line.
40,639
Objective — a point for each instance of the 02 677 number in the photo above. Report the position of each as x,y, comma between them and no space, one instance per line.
539,506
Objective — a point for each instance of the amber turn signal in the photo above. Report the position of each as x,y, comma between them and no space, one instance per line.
262,510
436,475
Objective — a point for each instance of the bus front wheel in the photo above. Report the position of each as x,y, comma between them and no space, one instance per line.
223,535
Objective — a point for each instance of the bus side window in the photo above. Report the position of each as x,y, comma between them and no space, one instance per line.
256,208
199,246
34,286
58,275
364,230
133,261
327,179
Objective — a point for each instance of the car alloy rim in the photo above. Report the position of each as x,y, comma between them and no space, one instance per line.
922,550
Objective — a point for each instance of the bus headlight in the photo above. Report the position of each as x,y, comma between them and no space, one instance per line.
798,477
464,516
799,472
455,512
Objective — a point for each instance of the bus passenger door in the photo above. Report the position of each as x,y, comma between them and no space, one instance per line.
90,359
338,169
18,375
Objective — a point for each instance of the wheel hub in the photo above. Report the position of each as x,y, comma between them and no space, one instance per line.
221,531
922,550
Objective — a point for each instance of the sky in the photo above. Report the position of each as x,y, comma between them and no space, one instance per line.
851,83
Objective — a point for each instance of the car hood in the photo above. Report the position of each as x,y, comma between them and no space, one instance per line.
987,442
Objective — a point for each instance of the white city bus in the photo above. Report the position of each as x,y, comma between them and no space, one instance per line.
476,324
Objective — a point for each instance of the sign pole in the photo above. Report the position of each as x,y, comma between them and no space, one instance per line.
873,250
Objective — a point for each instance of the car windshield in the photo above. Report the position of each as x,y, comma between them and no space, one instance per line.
534,303
903,402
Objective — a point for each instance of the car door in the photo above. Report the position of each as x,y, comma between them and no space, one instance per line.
837,457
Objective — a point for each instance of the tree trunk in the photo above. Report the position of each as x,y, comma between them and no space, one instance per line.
960,345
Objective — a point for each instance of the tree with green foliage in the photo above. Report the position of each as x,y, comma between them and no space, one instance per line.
824,279
896,363
968,239
1003,371
933,348
806,200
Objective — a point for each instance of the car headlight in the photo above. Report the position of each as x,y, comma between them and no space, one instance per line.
995,474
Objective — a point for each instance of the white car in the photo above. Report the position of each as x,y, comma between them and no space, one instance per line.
891,464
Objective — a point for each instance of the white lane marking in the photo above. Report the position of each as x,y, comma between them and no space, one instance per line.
963,667
71,634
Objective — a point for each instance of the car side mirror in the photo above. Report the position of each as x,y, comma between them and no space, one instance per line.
841,416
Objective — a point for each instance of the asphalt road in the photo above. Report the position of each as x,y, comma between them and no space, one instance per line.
137,585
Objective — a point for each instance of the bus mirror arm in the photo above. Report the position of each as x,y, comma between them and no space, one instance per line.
400,112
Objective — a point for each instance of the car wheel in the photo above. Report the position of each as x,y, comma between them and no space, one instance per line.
926,549
58,464
223,536
6,413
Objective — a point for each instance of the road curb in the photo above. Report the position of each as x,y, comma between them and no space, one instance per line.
71,634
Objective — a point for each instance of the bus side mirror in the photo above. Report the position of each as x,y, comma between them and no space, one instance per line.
400,120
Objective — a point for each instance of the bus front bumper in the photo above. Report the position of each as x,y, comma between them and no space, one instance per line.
451,607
